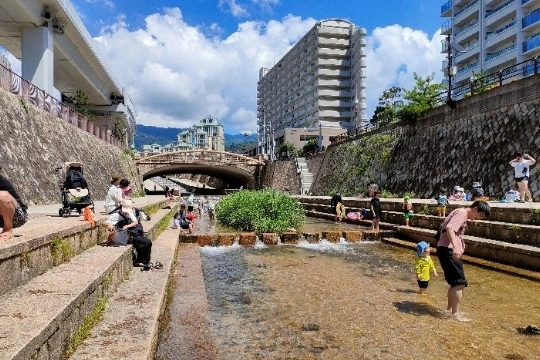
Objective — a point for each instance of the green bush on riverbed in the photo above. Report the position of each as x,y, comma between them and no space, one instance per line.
260,211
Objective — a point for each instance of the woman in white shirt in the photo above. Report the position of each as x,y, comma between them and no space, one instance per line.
113,199
521,165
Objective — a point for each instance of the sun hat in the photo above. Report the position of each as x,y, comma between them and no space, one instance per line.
127,206
421,247
116,178
476,184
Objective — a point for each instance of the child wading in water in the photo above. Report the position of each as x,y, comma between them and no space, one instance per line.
442,201
407,209
423,266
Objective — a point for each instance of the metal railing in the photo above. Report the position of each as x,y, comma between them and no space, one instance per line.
15,84
480,84
498,8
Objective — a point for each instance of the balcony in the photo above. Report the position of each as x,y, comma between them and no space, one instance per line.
446,9
491,34
501,57
446,27
527,4
464,32
498,8
470,51
466,69
333,42
466,11
334,73
531,44
326,30
334,83
531,21
333,62
332,52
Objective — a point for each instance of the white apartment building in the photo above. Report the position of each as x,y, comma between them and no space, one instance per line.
491,35
208,134
317,88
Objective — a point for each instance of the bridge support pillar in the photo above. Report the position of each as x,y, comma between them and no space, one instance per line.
37,56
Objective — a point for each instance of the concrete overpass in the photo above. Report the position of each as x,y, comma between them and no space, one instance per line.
56,51
235,169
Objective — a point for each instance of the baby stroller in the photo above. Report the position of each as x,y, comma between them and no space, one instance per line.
74,189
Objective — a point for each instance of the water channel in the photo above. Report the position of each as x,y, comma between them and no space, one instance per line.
351,301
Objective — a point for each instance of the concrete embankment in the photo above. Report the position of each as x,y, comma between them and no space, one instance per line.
59,283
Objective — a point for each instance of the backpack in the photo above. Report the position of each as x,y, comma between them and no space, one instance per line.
74,180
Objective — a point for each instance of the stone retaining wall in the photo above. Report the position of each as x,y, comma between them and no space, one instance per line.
474,142
34,142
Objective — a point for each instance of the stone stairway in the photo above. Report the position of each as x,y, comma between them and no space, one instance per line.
306,177
511,235
59,283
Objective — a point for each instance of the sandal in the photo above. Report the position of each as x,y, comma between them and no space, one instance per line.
158,265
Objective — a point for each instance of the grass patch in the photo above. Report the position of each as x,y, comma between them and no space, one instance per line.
61,251
88,323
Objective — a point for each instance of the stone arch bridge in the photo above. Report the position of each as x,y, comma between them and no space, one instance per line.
235,169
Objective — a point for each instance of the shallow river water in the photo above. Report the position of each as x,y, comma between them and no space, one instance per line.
357,301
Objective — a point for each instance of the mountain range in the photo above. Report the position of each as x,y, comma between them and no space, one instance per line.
147,135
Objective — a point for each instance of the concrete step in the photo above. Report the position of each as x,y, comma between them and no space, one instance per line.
514,213
39,319
47,315
501,231
47,240
132,313
517,255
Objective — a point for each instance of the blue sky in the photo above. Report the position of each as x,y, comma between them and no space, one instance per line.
186,59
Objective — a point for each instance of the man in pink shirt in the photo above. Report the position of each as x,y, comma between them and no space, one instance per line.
451,246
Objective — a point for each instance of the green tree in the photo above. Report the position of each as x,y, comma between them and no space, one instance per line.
389,105
312,145
424,96
287,148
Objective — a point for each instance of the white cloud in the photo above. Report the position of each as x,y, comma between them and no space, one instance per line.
394,54
106,3
235,9
177,73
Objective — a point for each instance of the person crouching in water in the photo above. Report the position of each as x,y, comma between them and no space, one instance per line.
423,266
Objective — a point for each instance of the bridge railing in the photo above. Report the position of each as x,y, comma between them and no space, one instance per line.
15,84
207,156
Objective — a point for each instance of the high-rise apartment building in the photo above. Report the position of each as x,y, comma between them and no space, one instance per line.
316,90
207,134
490,35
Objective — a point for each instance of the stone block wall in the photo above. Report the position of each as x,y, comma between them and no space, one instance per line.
473,142
34,142
281,175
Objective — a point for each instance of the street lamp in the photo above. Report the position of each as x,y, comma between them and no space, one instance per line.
451,70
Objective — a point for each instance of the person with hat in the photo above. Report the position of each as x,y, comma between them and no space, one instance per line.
114,196
407,209
521,164
423,266
477,191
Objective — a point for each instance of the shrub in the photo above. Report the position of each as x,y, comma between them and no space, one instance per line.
260,211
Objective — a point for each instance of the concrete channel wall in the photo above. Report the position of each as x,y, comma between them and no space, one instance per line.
510,236
35,142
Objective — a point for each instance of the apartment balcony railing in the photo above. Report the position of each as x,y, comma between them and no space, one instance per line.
460,11
446,7
446,27
532,43
523,2
530,19
467,49
467,68
15,84
501,52
498,8
461,31
485,83
498,31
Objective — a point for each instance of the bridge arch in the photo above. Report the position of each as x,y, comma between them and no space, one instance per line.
235,169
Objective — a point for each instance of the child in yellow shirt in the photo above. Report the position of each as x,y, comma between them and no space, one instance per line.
423,266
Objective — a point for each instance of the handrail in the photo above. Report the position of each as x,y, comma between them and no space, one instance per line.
15,84
498,8
465,8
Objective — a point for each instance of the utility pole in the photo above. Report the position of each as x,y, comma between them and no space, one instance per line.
449,101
